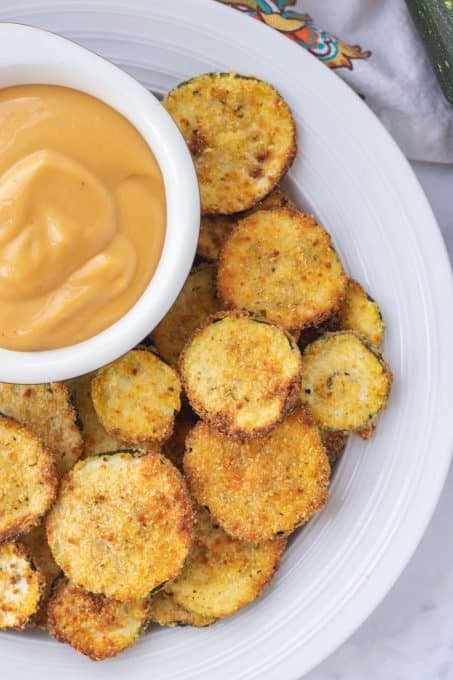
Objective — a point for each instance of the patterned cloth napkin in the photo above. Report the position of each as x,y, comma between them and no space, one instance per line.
379,54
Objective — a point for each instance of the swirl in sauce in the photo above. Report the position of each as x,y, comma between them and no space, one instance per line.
82,216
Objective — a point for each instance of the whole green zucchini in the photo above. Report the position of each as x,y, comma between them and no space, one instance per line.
434,20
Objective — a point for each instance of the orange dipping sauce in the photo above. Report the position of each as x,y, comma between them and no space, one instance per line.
82,216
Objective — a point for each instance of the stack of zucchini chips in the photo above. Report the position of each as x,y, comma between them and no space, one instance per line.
164,487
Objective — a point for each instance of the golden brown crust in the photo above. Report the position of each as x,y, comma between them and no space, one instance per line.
28,479
241,374
136,397
241,134
346,382
195,303
93,624
39,551
224,574
334,444
21,586
280,264
95,438
359,312
214,230
122,524
258,488
48,412
166,612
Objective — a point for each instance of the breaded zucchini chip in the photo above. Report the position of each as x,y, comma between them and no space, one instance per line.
241,135
95,438
36,543
241,374
281,264
334,444
122,524
48,412
28,480
175,447
196,301
21,586
359,312
222,573
93,624
215,229
258,488
136,397
345,381
166,612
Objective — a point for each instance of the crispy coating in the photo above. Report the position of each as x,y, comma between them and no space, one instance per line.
174,447
215,229
241,135
241,374
36,543
21,586
48,412
345,381
359,312
281,264
196,301
136,397
258,488
95,438
93,624
28,480
222,573
334,444
166,612
122,524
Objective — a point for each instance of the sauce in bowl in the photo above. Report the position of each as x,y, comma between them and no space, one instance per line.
82,216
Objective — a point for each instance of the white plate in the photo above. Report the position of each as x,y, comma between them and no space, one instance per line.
352,176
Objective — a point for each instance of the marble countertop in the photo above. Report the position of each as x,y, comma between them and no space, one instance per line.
410,635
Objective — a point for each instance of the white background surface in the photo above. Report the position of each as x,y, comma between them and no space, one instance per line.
410,635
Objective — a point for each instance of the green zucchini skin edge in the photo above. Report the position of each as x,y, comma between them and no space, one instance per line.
434,21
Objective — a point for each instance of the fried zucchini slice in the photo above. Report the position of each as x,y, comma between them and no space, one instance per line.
345,381
166,612
196,301
48,412
334,444
136,397
93,624
241,134
222,573
175,447
215,229
28,479
21,586
95,438
122,524
281,264
258,488
241,374
36,543
359,312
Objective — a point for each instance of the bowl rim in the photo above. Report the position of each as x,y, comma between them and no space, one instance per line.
53,60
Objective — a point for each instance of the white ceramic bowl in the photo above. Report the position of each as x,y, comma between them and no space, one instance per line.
29,55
